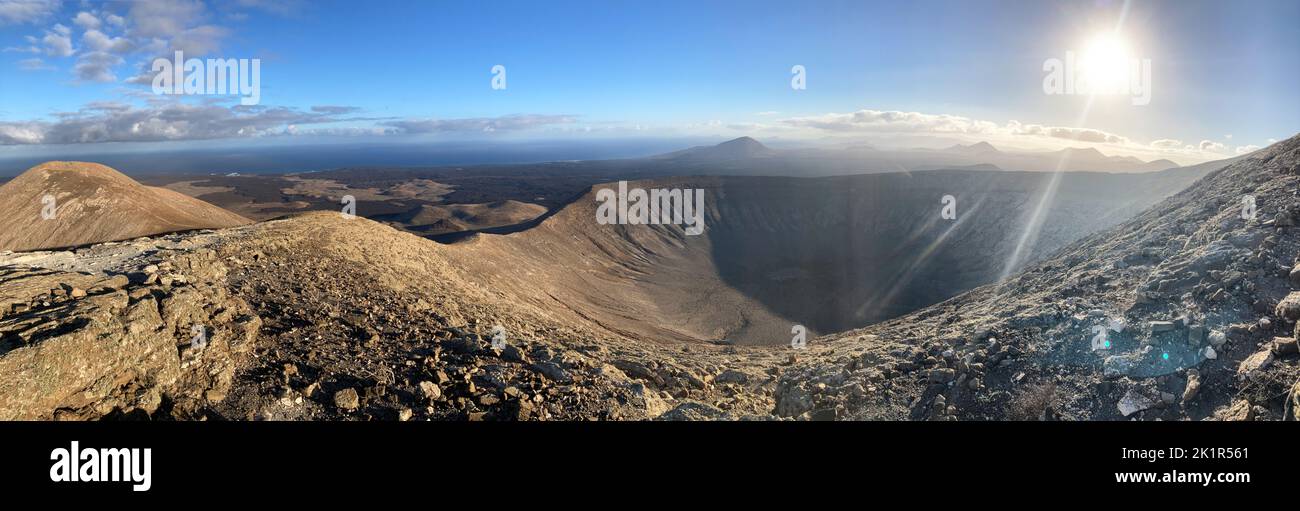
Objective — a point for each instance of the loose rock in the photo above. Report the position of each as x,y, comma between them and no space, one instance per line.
347,399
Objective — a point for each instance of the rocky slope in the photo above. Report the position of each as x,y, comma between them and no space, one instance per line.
1197,305
321,317
119,329
68,204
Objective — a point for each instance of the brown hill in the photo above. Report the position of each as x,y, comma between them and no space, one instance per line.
93,203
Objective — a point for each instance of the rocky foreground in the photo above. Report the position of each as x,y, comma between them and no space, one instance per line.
318,317
1186,312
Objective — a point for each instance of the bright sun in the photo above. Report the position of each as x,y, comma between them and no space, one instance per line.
1106,62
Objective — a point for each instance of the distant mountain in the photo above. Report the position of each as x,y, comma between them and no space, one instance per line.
735,149
975,149
1082,153
64,204
1161,164
1071,159
1089,158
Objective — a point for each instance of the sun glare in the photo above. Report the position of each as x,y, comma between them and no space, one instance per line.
1106,61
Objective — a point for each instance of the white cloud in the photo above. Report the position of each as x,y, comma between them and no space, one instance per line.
12,133
97,41
334,109
23,49
293,129
174,120
86,20
1067,133
891,121
57,43
117,122
97,66
199,41
1243,149
894,123
33,64
479,124
916,122
1211,146
150,28
282,7
26,11
164,19
750,126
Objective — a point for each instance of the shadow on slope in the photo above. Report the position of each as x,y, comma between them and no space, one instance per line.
831,254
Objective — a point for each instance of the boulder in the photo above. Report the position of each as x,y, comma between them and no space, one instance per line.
731,376
1282,346
942,375
1162,326
647,400
551,371
347,399
692,411
1289,307
1115,366
1217,338
1238,411
430,390
612,373
1133,402
1193,385
1252,365
792,400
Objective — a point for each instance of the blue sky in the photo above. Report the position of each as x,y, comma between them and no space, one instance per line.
1224,75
